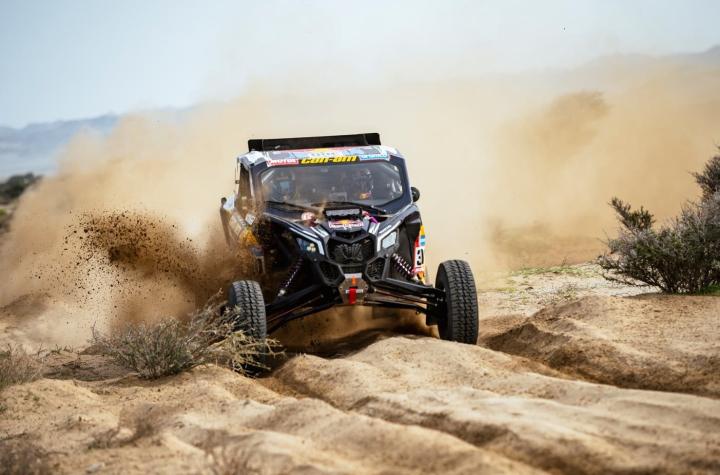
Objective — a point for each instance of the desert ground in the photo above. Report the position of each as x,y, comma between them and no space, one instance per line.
571,374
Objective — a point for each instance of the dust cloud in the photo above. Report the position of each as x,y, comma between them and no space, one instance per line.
561,164
513,171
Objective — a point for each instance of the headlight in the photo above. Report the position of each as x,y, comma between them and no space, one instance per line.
389,240
306,245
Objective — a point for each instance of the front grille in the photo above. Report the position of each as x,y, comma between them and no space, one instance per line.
351,254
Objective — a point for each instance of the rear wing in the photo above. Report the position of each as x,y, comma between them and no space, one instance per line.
299,143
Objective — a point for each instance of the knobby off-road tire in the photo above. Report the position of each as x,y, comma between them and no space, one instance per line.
245,300
458,316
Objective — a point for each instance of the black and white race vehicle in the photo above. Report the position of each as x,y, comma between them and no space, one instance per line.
333,221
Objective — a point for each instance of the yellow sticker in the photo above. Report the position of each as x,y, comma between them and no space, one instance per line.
326,160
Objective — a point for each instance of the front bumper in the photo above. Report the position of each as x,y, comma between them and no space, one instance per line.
333,285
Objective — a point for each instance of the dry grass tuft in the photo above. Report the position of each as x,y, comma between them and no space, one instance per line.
229,460
20,456
225,456
17,366
105,439
169,346
152,350
145,423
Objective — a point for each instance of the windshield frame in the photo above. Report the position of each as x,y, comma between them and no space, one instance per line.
391,207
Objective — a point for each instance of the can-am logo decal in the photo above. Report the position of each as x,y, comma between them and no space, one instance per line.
324,160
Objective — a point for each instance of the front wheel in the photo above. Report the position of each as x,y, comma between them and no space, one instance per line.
457,316
247,306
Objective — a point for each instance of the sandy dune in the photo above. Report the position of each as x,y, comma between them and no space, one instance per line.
164,425
379,411
510,407
660,342
598,381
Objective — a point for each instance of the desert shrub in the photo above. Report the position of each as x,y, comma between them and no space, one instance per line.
169,346
20,456
14,186
153,350
681,256
17,366
709,178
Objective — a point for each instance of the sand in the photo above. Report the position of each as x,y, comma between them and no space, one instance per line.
589,384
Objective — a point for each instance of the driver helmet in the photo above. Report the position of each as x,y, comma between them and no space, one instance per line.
361,183
283,185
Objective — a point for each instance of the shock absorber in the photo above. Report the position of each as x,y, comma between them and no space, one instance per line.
402,266
294,270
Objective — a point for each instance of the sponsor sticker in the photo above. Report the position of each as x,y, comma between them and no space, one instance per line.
279,162
345,224
419,264
374,156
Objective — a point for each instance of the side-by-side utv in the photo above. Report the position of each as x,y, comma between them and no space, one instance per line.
333,221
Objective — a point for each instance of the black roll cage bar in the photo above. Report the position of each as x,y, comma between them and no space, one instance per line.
325,141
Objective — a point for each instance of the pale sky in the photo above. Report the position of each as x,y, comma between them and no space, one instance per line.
62,59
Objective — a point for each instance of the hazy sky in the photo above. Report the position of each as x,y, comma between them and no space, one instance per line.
73,58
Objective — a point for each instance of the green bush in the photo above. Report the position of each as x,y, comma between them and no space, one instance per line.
681,256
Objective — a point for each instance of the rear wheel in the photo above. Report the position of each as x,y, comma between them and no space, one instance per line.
245,301
457,316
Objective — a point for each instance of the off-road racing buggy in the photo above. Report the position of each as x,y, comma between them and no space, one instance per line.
332,221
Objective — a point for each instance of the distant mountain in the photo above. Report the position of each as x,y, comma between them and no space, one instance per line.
710,57
34,147
622,71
